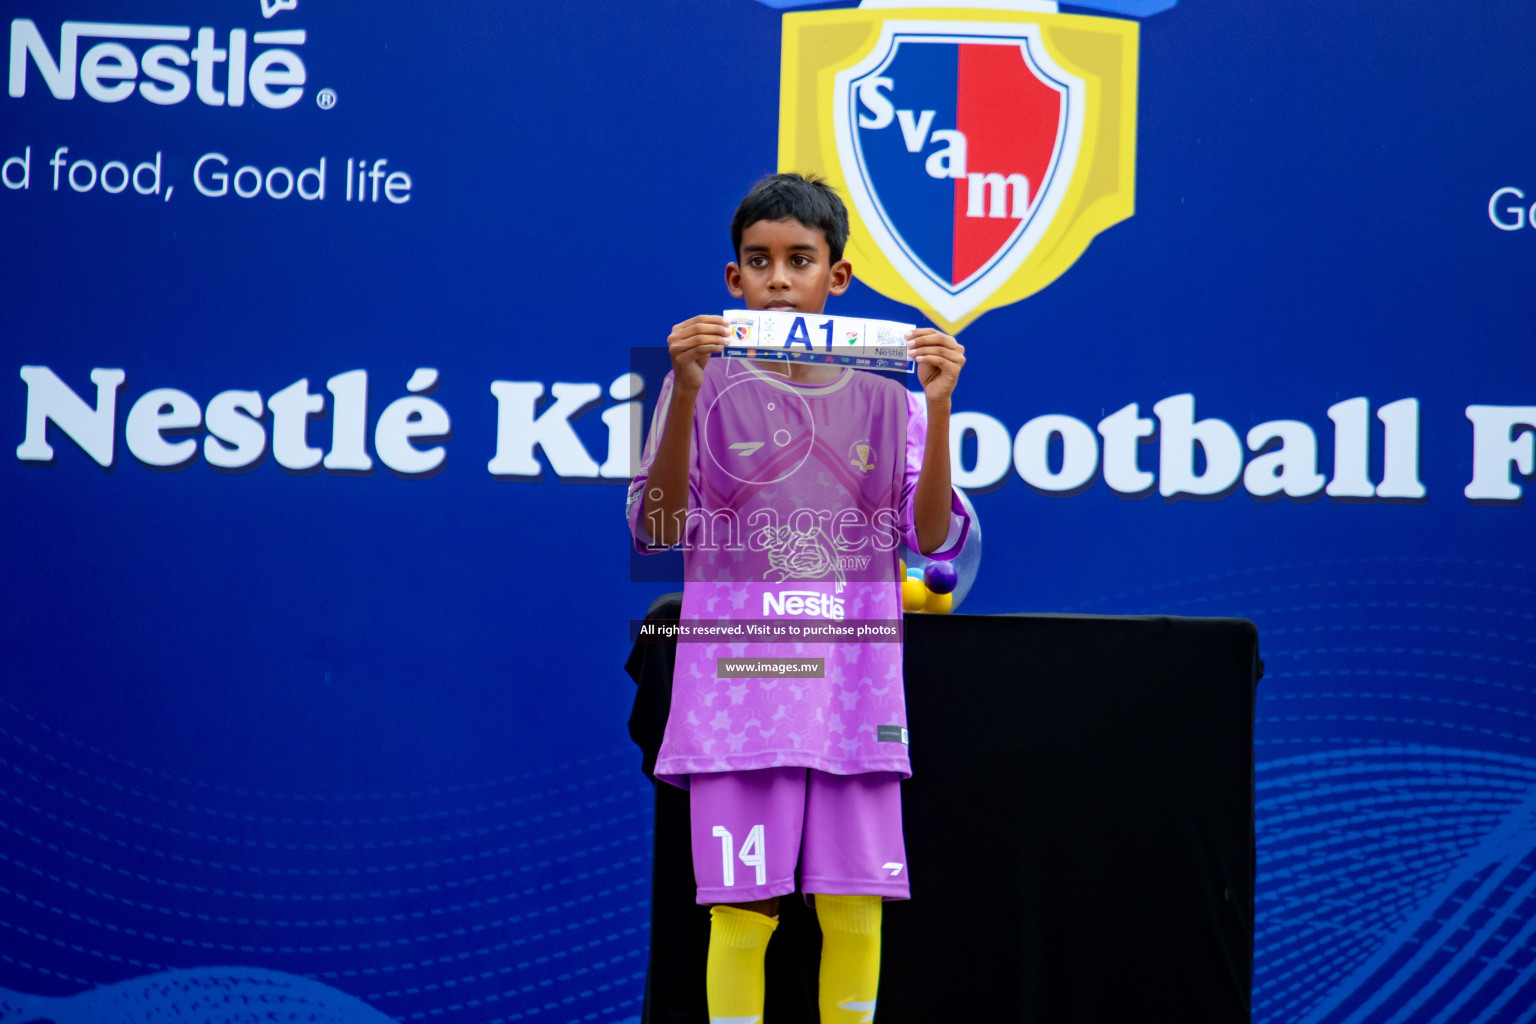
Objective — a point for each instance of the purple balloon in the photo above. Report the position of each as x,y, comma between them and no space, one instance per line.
941,577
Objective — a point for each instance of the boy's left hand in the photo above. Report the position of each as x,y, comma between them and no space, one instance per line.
939,358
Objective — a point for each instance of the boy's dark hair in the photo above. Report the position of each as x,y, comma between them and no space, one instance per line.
809,200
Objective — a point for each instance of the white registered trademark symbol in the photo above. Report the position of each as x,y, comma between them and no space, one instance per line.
326,98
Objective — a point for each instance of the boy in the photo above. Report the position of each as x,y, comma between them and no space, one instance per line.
784,484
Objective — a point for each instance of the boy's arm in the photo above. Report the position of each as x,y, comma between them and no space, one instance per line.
666,488
939,359
690,345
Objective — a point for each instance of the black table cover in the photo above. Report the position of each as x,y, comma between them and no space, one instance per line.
1079,829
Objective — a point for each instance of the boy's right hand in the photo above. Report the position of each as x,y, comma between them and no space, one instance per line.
690,345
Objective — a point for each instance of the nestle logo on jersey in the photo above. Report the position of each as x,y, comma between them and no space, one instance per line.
259,63
809,603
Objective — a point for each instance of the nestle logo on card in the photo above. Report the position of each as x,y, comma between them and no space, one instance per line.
258,63
803,602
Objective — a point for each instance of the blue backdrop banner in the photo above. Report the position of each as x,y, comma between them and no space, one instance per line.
319,320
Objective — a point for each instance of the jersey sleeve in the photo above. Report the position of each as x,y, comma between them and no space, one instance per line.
635,501
959,521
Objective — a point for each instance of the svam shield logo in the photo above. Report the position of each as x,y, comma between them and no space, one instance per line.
980,151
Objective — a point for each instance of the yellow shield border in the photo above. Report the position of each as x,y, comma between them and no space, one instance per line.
1101,51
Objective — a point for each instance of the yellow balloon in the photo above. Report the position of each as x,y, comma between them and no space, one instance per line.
914,595
939,604
902,562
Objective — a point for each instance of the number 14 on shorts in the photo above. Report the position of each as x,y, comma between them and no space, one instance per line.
753,854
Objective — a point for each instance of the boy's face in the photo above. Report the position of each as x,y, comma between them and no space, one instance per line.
786,265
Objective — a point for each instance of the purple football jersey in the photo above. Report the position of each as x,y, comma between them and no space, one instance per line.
800,504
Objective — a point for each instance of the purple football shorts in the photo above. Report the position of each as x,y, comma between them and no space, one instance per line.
750,829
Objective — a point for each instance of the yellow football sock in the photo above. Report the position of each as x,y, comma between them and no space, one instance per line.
850,957
733,980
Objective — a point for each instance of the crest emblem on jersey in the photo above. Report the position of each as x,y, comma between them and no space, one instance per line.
979,151
861,456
